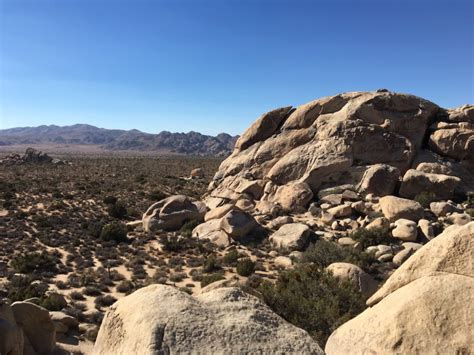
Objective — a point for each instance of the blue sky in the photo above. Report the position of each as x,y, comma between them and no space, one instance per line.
215,66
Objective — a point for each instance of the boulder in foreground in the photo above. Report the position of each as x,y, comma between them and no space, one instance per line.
161,319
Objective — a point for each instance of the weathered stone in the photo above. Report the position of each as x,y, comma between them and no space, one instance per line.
443,208
430,315
450,252
353,273
395,208
459,218
237,224
218,212
456,143
293,236
379,179
341,211
37,326
415,182
172,212
405,230
11,335
162,319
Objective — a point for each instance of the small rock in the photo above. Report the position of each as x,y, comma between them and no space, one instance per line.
283,261
346,241
405,230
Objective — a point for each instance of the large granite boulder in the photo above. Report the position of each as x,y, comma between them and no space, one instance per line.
160,319
327,142
394,208
425,307
440,185
431,315
37,325
354,274
450,252
11,335
172,212
291,236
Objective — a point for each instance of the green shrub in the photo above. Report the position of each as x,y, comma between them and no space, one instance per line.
368,237
156,195
313,299
323,253
208,279
187,228
245,267
33,262
230,258
114,231
175,242
210,264
104,301
117,210
110,200
125,287
424,198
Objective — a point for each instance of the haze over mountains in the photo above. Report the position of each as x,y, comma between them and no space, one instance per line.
116,139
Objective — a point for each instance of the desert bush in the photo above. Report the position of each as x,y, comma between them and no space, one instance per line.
115,231
313,299
104,301
33,262
177,276
368,237
95,317
187,228
125,287
92,291
424,198
117,210
210,264
21,288
110,200
323,253
156,195
77,296
175,243
208,279
230,258
245,267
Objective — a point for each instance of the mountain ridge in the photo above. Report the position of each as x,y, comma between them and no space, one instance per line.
120,140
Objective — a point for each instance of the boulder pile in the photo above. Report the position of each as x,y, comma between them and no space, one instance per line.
31,156
385,173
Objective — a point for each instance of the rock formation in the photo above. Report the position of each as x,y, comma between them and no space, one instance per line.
426,306
366,139
161,319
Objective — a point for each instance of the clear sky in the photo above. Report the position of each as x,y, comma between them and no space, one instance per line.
214,66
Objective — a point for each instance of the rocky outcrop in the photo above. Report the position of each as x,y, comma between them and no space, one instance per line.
224,320
366,139
431,315
31,156
450,252
426,306
172,212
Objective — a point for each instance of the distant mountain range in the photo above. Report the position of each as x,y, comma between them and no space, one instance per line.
116,139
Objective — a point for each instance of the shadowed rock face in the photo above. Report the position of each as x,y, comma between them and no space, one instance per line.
335,140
